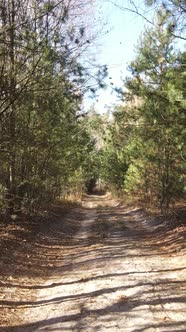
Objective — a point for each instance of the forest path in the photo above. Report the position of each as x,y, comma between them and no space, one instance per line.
120,272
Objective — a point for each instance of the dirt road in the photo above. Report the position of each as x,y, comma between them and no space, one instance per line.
120,272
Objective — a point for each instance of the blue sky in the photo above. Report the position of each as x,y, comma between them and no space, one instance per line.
115,49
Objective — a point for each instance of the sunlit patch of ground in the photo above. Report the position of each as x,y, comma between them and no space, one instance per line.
104,267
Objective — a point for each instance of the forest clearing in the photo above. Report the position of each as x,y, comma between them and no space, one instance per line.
92,165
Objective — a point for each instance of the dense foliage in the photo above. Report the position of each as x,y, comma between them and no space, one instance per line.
144,152
48,147
44,146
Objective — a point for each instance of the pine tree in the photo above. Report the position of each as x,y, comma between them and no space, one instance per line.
148,128
42,83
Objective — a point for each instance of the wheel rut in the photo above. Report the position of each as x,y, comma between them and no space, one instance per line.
113,277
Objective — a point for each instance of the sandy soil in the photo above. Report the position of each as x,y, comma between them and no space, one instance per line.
120,270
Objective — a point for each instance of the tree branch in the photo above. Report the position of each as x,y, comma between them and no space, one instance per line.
135,11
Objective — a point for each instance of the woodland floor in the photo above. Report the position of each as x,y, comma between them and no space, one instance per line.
100,267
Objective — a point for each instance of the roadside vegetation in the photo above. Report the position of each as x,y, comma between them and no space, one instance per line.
144,151
49,147
45,149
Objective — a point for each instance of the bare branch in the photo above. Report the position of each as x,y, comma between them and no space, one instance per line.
135,11
177,36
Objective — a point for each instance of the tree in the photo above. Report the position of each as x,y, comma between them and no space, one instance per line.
160,111
148,128
175,13
42,84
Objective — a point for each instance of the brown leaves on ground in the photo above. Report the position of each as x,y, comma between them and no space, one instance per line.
31,249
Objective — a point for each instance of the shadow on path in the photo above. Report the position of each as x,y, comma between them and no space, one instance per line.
116,236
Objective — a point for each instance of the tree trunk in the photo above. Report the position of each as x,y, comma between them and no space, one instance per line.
12,115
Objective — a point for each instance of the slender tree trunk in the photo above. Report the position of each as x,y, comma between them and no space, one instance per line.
12,116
